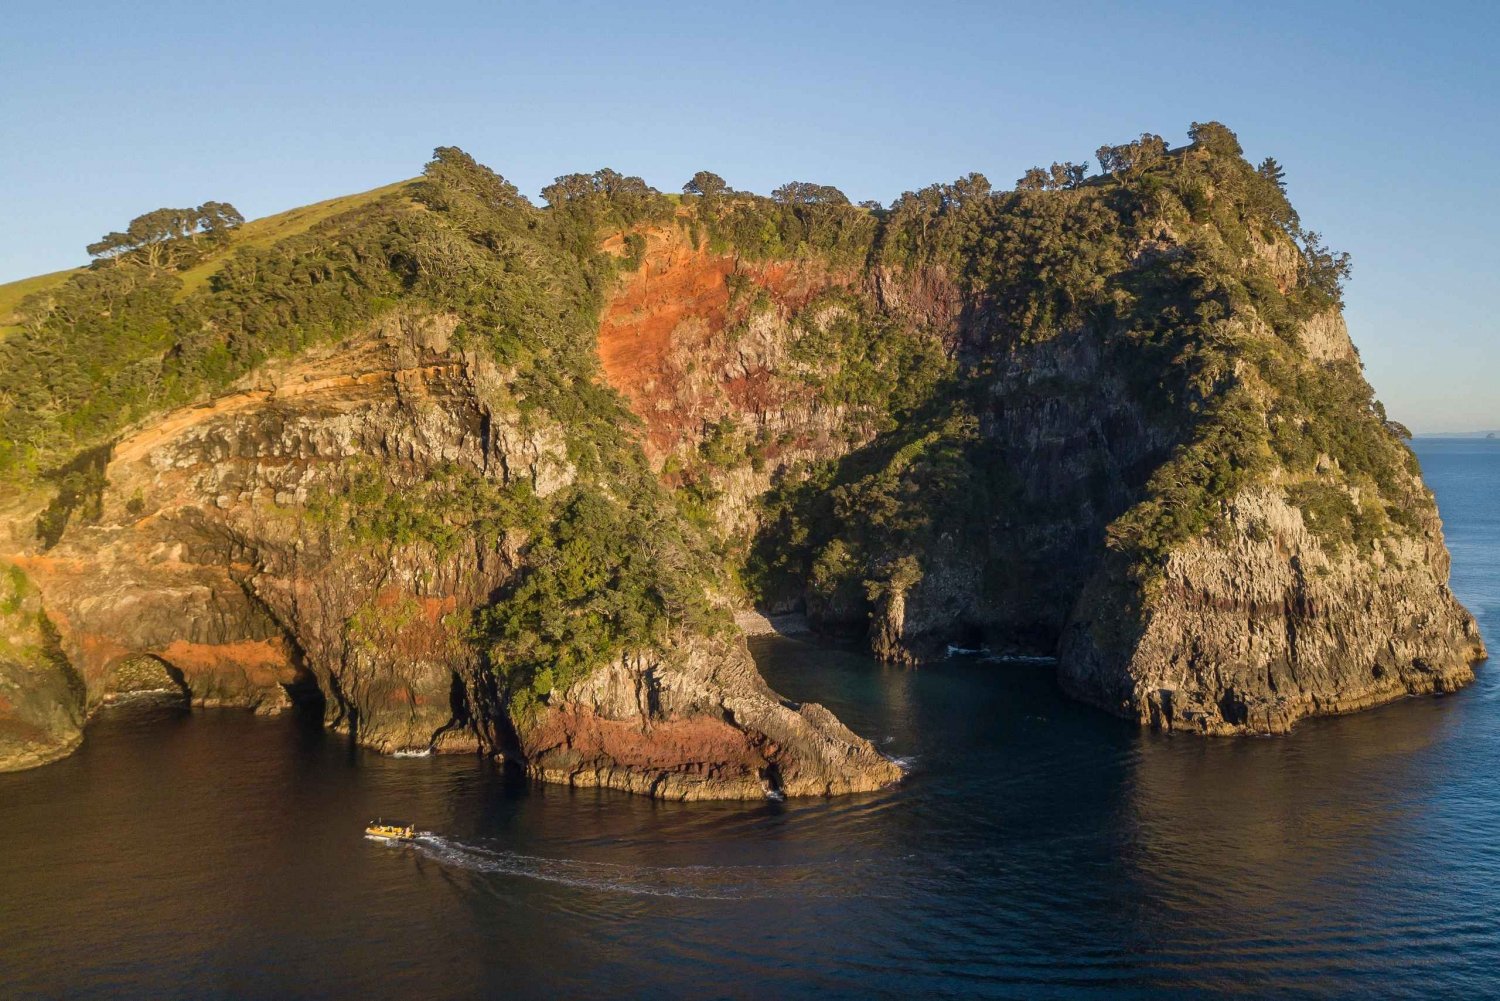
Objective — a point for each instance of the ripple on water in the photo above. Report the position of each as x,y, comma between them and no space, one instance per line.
1037,848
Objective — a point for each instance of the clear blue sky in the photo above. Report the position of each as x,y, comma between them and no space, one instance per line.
1386,117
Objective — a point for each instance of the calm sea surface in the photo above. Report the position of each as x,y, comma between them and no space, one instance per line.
1038,848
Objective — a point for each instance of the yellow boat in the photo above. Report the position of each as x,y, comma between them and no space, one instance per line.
390,832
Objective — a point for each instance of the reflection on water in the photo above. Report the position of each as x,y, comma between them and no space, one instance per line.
1037,848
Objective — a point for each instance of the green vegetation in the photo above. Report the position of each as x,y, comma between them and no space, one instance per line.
855,357
132,336
799,220
598,578
266,232
121,340
80,493
14,293
601,579
1177,260
846,354
445,509
17,589
1186,268
97,348
169,238
847,531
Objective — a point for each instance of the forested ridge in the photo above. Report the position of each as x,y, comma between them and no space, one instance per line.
1189,263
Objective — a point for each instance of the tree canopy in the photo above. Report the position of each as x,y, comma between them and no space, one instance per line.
706,184
1138,155
1059,177
807,193
155,236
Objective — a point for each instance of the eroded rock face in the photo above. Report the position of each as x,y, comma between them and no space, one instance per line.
41,698
689,354
1253,630
698,723
215,558
205,557
686,351
217,555
1253,626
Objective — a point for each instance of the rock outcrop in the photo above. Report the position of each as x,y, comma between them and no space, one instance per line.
41,697
699,724
1256,629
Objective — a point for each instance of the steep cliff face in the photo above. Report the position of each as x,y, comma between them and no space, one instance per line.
690,336
370,462
220,552
1315,591
41,698
1153,457
1264,624
711,351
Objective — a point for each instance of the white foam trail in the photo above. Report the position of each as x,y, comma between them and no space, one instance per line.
988,656
425,752
698,882
121,698
1019,658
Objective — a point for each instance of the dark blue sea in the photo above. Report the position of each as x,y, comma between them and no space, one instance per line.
1038,849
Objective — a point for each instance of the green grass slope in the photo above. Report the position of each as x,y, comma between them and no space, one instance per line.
11,294
272,229
263,232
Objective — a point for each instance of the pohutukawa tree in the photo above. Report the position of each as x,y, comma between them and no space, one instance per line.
1138,155
1059,177
157,238
706,185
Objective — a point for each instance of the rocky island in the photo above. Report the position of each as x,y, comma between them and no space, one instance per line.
477,475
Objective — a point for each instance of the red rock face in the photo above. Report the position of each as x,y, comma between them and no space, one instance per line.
585,747
191,617
662,340
695,721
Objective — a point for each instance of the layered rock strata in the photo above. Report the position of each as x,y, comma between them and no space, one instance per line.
215,556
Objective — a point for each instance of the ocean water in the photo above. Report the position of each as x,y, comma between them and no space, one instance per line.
1037,849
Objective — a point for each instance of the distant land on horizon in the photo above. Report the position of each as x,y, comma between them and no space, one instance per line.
1459,434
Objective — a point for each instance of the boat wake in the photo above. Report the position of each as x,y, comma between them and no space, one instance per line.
699,882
